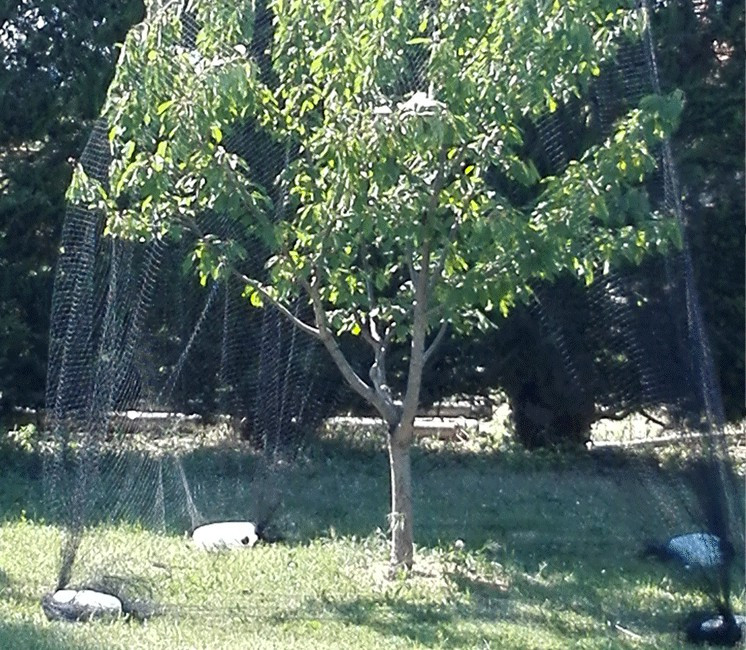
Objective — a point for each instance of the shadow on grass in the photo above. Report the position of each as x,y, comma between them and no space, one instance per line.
27,636
426,624
572,513
525,616
339,486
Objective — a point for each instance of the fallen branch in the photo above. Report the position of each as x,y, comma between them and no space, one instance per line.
629,633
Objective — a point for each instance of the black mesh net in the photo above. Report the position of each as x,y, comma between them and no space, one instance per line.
174,402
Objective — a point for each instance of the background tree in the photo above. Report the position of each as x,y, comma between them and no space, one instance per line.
701,45
399,125
697,42
56,61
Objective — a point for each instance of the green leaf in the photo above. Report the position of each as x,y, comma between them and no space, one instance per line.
316,65
551,102
256,299
128,150
164,106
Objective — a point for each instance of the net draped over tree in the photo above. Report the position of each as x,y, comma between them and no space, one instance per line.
386,171
398,122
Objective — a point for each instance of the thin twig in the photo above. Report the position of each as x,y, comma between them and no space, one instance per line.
653,419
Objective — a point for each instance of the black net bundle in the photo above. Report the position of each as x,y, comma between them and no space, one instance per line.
174,403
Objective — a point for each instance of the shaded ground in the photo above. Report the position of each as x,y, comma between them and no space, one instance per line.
514,551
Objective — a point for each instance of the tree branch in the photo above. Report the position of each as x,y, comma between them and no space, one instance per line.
653,419
621,415
435,343
379,401
372,304
404,432
410,267
377,372
300,324
411,399
364,331
377,395
378,369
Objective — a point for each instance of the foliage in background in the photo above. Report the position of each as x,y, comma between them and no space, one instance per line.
56,61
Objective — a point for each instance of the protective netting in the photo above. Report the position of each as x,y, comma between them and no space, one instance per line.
142,358
143,354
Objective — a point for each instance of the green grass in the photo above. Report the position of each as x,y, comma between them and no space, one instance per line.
549,559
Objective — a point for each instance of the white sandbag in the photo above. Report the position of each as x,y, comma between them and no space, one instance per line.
700,550
224,535
81,605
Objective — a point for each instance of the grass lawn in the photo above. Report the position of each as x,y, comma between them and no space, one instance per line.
514,551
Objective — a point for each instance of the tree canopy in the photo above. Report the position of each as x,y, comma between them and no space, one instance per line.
376,170
398,125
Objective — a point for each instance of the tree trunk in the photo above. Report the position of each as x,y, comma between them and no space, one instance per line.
401,522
